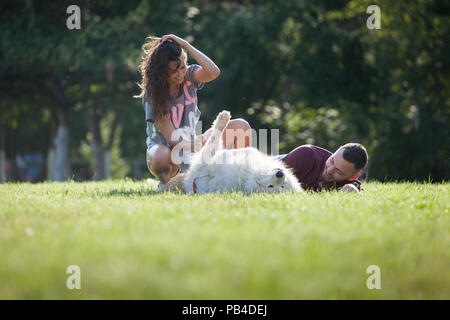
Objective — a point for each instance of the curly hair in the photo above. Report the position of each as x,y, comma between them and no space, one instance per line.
153,68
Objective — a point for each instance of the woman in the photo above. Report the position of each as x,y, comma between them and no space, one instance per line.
169,94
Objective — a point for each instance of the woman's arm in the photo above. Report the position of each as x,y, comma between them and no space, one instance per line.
165,126
167,129
208,71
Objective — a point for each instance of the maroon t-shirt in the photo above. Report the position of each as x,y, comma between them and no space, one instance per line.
307,163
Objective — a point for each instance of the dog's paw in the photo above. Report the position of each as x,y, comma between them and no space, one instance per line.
222,120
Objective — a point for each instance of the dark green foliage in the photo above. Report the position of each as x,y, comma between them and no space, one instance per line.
312,69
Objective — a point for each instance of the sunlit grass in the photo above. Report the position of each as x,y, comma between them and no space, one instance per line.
132,243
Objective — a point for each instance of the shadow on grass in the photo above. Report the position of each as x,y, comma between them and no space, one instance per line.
129,193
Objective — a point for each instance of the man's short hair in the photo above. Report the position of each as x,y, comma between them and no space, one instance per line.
356,154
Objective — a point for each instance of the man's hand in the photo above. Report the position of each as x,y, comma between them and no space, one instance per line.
349,188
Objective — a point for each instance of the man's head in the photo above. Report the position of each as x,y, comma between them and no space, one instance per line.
346,162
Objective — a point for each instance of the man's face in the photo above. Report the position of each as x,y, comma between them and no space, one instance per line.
337,169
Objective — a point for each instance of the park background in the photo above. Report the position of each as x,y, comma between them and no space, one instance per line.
312,69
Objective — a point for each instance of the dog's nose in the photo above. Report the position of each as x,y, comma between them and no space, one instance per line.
279,174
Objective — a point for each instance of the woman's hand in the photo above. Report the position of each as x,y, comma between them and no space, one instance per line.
181,42
208,71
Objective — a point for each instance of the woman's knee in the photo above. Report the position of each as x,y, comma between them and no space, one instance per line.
158,158
159,162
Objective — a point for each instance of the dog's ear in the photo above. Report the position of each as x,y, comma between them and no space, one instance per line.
251,185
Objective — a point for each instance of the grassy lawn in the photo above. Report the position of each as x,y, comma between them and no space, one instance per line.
132,243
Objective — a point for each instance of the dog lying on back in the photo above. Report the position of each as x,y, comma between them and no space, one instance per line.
214,169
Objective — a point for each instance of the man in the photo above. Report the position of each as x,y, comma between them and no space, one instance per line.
317,169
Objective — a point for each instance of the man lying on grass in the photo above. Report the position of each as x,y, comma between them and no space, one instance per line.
317,169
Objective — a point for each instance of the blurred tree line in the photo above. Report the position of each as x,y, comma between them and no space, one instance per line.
313,69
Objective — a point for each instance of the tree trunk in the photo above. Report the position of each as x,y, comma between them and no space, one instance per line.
108,154
51,147
107,164
30,7
61,142
2,166
2,155
98,151
50,163
98,154
103,155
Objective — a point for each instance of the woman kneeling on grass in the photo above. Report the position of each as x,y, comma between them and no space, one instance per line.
169,94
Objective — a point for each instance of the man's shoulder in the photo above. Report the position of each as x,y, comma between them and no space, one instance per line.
310,152
313,151
306,157
318,149
307,162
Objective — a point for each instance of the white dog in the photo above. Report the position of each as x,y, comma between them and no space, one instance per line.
214,169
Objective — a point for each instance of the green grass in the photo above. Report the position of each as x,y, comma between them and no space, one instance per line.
132,243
